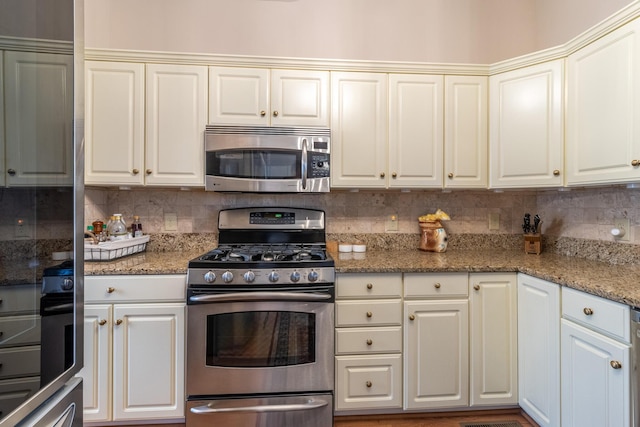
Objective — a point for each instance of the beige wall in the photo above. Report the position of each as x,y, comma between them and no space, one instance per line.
441,31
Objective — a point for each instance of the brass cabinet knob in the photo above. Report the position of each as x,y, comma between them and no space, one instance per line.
149,171
369,285
476,287
556,172
382,174
369,384
119,322
11,172
615,364
412,317
111,290
450,175
635,162
263,113
136,171
394,175
437,285
102,322
369,341
369,314
275,114
587,311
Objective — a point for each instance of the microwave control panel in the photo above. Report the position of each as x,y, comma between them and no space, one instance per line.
318,165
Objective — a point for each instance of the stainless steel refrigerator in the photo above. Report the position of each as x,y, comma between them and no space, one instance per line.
41,211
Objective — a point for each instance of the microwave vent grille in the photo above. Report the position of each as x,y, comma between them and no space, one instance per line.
267,130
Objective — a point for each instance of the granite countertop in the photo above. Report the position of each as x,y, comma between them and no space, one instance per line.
615,282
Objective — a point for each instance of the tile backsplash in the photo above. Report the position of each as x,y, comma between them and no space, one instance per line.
579,213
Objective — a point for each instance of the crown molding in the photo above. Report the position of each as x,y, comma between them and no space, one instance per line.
623,16
35,45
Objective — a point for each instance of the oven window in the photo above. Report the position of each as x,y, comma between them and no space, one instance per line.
255,339
255,164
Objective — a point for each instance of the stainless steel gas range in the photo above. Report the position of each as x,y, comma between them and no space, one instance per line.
260,307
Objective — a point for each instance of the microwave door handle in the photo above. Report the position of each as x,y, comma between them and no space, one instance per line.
260,296
303,167
310,404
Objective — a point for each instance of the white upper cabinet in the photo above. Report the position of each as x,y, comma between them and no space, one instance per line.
38,85
359,123
526,140
114,131
145,137
415,131
603,109
465,131
259,96
176,118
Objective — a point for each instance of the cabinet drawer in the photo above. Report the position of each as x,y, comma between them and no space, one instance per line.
369,382
19,330
20,362
14,392
138,288
368,340
608,317
20,298
380,285
369,313
436,285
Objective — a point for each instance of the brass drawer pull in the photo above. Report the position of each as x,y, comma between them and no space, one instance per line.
369,314
102,322
110,290
587,311
369,384
437,286
369,285
615,364
412,317
369,341
476,287
119,322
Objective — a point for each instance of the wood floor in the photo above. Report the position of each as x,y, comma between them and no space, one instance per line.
419,420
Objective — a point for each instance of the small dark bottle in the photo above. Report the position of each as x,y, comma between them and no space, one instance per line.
136,227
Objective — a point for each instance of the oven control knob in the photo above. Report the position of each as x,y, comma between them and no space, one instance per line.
227,276
249,276
295,276
274,276
313,276
209,277
67,284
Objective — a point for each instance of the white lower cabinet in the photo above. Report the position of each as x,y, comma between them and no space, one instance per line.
494,339
134,348
368,342
436,344
595,364
539,349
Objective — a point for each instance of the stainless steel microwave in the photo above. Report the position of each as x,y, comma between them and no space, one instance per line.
259,159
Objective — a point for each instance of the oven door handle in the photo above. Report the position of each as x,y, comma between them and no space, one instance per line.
310,404
260,296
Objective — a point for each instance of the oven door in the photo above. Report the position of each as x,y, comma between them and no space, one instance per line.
264,346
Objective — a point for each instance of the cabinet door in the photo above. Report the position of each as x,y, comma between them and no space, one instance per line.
96,373
526,135
176,118
359,130
299,98
38,85
494,351
239,96
436,351
2,132
539,349
114,131
148,363
415,130
465,131
603,109
594,392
